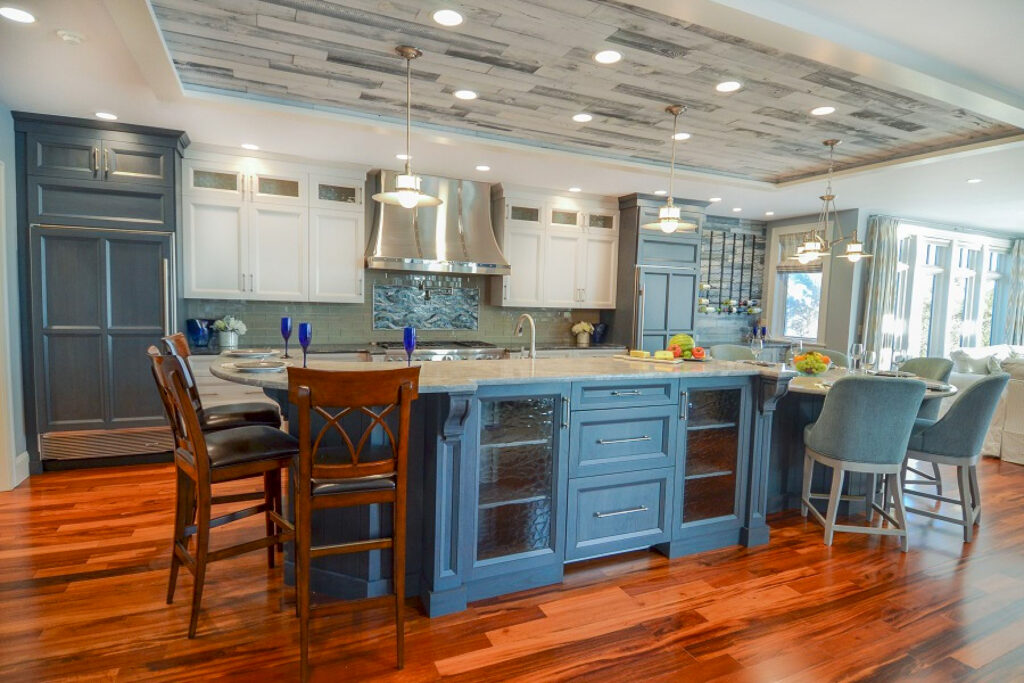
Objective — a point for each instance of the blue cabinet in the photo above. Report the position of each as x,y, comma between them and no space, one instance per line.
622,440
667,305
517,488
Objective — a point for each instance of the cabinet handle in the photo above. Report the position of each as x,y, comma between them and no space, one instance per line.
362,282
106,163
165,299
243,282
631,392
252,282
634,439
684,409
627,511
95,161
565,412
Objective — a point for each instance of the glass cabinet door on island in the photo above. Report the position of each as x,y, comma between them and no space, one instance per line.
711,475
520,479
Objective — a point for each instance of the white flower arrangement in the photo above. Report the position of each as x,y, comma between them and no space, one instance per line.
230,323
582,326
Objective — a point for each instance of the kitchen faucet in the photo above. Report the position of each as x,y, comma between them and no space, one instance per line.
533,332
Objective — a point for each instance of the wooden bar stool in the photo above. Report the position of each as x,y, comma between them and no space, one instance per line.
352,474
202,460
224,416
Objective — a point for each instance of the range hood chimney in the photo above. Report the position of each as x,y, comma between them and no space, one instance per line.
455,237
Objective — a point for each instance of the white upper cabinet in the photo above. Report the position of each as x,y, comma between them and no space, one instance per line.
563,251
336,261
268,231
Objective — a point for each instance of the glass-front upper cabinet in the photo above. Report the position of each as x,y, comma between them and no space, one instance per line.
602,221
565,218
520,479
331,192
211,179
277,183
524,214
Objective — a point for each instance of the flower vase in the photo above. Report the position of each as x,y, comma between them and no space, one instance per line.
227,340
583,339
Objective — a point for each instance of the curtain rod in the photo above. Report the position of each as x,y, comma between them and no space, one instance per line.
950,226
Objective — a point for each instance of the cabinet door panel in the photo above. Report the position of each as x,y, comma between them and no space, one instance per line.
609,441
600,258
218,180
336,248
667,305
334,193
99,204
278,184
561,269
214,248
278,253
524,249
134,163
67,157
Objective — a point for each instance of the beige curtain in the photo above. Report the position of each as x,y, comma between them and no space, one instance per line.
883,324
1015,310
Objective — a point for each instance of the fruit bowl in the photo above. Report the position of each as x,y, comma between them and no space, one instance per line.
812,364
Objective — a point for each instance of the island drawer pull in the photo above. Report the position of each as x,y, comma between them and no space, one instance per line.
631,392
632,439
628,511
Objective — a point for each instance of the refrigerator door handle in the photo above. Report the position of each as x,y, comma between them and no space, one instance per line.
165,298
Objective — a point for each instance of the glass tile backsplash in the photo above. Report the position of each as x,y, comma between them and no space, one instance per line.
426,308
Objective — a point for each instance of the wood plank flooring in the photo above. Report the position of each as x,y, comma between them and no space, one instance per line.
83,570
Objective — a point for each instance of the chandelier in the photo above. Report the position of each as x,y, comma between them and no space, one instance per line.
818,244
669,219
407,185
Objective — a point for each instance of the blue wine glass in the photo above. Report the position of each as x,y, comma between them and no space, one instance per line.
305,338
409,341
286,332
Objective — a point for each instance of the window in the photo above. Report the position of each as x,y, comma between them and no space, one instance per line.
797,291
951,289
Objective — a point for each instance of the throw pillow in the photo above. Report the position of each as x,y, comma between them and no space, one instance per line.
965,362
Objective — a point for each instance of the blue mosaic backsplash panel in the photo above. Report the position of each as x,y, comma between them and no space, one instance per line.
431,308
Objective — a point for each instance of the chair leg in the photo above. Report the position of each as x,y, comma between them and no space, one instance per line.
303,536
805,495
833,504
183,507
938,478
398,571
896,489
202,551
869,510
975,494
279,502
268,501
963,479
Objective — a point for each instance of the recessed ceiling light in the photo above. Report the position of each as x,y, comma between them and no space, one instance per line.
736,209
607,57
822,111
18,15
769,213
681,136
403,157
249,146
661,193
728,86
715,199
483,167
106,116
575,189
465,94
582,118
447,17
974,181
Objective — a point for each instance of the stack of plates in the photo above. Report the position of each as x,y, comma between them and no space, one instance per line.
250,353
258,365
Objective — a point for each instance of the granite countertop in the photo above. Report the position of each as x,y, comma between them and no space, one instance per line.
442,377
820,385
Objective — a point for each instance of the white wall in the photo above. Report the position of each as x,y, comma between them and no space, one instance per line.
13,455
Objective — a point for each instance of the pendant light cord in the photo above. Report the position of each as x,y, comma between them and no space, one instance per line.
408,115
672,168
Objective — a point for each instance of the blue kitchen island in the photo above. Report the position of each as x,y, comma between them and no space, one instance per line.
518,467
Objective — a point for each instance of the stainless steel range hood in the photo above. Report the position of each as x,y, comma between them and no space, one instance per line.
455,237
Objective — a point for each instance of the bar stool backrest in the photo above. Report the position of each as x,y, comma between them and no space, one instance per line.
177,345
334,396
961,431
189,444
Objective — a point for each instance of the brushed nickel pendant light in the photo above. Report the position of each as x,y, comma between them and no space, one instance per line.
669,217
818,245
407,185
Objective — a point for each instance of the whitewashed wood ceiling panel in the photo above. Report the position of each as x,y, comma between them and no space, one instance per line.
530,62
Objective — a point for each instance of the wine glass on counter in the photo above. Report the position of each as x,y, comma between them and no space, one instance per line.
286,332
856,353
756,346
305,339
409,342
869,361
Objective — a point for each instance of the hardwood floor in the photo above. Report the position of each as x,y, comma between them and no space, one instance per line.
83,571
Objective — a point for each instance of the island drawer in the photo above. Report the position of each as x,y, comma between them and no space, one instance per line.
613,513
619,394
621,440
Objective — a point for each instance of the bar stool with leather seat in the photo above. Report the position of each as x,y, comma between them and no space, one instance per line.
225,416
864,426
956,439
203,460
356,472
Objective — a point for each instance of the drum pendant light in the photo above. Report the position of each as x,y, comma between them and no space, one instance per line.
407,185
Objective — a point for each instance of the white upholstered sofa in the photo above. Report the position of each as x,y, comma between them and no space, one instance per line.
1005,438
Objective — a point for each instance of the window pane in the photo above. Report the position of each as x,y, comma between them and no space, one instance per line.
928,283
803,299
988,299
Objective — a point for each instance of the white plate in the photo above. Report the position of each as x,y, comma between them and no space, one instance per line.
258,366
250,353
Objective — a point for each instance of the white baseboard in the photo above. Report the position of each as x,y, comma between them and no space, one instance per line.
20,468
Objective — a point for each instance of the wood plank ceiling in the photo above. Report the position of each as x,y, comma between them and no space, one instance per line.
531,63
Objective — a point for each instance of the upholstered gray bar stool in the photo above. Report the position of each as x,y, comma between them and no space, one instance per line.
838,358
956,439
731,352
864,426
937,369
